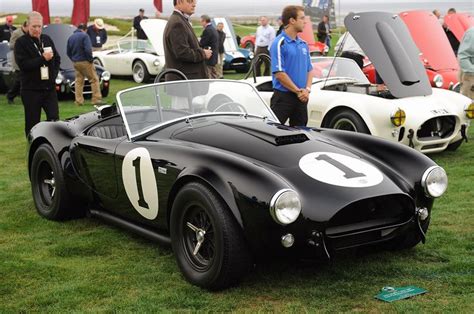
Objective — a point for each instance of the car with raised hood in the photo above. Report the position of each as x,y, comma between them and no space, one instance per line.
459,23
316,48
235,59
66,79
138,58
204,166
410,112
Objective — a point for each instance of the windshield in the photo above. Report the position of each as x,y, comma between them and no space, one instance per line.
323,68
146,107
135,45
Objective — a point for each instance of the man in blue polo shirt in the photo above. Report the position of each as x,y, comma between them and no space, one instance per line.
291,70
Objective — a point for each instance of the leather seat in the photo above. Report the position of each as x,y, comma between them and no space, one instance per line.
110,131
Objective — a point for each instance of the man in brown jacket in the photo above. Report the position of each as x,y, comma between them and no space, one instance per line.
182,51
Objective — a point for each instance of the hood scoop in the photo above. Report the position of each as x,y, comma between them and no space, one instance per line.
278,135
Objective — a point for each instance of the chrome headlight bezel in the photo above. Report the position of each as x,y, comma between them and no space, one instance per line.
434,181
59,79
156,62
106,76
438,80
285,215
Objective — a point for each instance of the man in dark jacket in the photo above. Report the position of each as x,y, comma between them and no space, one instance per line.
38,61
7,29
182,51
323,30
210,40
220,59
97,34
79,50
136,24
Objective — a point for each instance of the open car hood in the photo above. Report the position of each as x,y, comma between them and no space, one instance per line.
431,39
60,33
388,44
154,29
459,23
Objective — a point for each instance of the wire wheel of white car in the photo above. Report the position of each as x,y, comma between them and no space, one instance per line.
348,121
140,72
52,200
208,243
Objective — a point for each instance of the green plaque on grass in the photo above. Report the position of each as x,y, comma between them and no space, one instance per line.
390,294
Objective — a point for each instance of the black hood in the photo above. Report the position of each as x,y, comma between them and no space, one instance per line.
283,151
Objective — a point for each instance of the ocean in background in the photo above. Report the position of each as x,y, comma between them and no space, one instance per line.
125,8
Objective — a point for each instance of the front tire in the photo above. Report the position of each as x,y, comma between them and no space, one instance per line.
140,72
97,61
208,243
51,198
348,121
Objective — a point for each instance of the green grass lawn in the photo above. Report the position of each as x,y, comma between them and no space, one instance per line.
87,265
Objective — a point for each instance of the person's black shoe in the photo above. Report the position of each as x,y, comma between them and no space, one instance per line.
10,101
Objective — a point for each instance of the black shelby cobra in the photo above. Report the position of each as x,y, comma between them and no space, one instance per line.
205,167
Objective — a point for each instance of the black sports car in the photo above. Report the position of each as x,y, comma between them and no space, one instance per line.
205,167
66,79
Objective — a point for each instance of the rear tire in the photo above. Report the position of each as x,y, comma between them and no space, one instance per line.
140,72
200,216
50,195
348,120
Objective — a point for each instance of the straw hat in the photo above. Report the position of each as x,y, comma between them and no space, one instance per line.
99,23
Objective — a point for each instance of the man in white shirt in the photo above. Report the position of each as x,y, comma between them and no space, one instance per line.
263,39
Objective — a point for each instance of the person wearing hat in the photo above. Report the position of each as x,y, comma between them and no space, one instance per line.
97,34
79,50
136,24
7,29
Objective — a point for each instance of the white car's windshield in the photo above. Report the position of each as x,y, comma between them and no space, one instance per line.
325,67
145,108
135,45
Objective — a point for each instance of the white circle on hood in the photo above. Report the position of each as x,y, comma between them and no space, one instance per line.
340,170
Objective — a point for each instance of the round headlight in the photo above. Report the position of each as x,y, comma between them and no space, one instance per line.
156,62
438,80
59,79
251,55
326,49
106,75
434,181
469,111
285,206
398,117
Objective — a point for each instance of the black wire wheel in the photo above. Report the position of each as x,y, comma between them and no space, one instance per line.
208,243
51,198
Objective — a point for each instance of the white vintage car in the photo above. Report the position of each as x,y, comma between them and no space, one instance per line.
138,58
409,111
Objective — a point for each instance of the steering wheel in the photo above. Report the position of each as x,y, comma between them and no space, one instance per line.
230,104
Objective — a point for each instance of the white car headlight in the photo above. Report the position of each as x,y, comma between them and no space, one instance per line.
59,79
285,206
438,80
251,55
106,75
156,62
434,181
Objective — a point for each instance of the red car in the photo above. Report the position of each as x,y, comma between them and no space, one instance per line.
316,48
436,53
458,23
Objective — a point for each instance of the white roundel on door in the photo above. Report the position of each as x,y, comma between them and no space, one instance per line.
140,182
340,170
